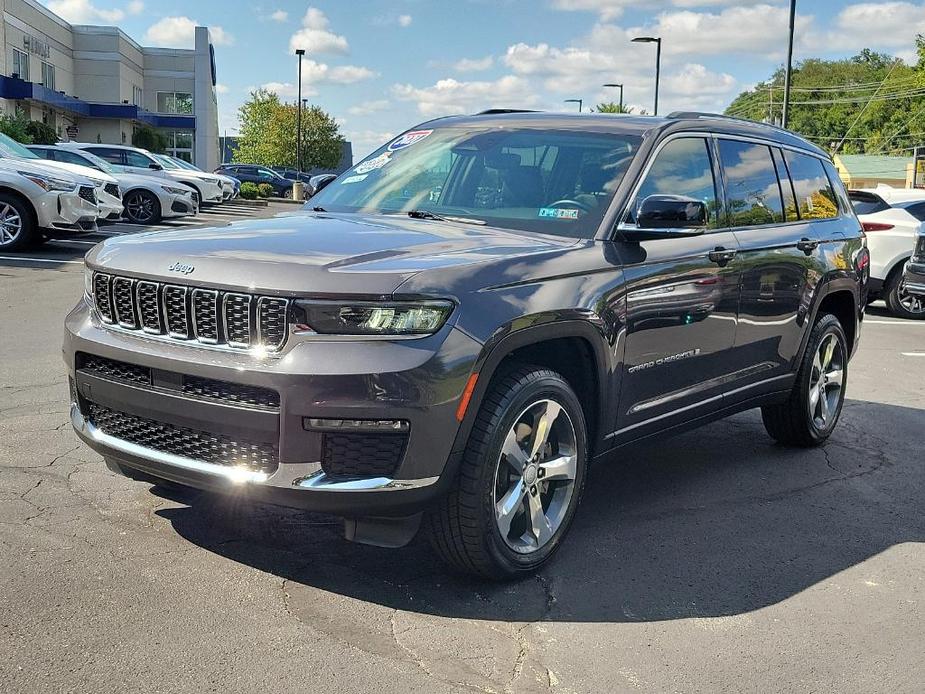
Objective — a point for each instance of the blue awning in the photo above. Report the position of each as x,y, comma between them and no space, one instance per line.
12,88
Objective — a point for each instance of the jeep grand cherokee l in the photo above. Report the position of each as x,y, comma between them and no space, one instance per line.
457,326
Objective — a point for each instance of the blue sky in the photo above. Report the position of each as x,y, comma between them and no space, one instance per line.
380,66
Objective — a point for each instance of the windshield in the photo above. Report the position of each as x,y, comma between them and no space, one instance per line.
11,148
185,165
166,162
548,181
98,162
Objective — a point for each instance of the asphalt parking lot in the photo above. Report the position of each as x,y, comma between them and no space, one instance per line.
711,562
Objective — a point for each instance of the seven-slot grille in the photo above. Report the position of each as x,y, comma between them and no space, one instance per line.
192,313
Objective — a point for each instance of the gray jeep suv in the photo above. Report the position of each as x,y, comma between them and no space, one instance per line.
453,330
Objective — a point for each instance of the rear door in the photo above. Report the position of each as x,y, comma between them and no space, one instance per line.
774,198
681,301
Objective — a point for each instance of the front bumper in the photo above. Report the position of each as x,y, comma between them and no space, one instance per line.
177,205
418,381
66,212
914,278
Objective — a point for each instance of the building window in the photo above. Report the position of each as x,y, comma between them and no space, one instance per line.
137,96
20,65
180,144
175,102
48,75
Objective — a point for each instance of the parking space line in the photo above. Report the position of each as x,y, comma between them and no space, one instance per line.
913,354
26,258
83,243
894,322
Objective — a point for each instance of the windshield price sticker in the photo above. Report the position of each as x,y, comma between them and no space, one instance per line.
408,139
373,164
353,179
556,213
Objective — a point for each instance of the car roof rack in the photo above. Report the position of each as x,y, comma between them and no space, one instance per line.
687,115
495,111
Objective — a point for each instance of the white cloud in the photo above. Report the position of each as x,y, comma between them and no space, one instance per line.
452,96
84,12
404,20
367,107
474,64
135,7
279,16
315,36
314,73
874,25
366,141
221,88
179,32
607,9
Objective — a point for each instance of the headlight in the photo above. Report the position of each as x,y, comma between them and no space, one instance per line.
178,191
370,318
48,182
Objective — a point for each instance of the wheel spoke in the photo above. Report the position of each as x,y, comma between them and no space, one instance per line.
814,398
515,456
542,530
562,468
827,350
835,377
543,426
824,407
506,509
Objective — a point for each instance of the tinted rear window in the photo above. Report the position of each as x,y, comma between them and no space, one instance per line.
865,203
815,197
752,189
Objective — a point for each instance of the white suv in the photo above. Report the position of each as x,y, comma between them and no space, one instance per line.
37,201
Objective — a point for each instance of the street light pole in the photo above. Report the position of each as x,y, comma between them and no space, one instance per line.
575,101
657,40
614,84
298,113
786,110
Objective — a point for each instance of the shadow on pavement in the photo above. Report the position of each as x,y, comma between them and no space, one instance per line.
719,521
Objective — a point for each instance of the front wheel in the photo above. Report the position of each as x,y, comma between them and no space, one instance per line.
810,414
900,301
17,226
142,207
520,479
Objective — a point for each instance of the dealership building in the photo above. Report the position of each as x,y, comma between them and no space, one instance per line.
96,84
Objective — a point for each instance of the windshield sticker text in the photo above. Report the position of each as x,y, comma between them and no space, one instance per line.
556,213
409,139
354,179
373,164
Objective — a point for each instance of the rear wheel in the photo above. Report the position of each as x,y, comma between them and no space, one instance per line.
520,479
142,207
810,414
900,302
17,225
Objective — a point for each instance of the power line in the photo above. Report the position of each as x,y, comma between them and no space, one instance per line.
855,121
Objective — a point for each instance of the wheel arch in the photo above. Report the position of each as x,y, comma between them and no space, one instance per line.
839,297
24,199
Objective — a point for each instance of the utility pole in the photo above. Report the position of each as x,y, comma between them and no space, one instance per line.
298,115
786,111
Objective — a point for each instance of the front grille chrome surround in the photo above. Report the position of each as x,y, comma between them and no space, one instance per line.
230,320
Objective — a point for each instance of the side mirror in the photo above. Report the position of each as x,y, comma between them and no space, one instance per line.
667,216
317,183
155,167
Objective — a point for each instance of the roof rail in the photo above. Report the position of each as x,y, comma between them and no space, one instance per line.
677,115
494,111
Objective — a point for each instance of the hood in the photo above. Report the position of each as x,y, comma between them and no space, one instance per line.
314,254
127,180
87,172
40,167
186,174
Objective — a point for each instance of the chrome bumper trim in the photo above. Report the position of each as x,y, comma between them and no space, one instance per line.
316,480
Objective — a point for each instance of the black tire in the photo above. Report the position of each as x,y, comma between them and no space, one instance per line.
142,207
462,528
18,230
794,422
898,301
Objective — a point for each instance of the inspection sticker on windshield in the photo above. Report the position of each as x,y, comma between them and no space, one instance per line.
409,139
373,164
556,213
354,179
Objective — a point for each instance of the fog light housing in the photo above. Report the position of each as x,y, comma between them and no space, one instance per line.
381,426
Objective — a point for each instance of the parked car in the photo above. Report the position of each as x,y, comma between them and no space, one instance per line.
208,188
401,357
38,201
292,174
230,185
108,193
892,220
914,279
282,187
146,199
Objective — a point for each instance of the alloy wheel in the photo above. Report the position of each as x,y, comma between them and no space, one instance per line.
826,382
140,208
10,224
913,303
535,476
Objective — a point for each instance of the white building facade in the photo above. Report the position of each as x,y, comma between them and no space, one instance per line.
96,84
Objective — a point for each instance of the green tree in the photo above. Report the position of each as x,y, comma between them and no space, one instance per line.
41,133
268,134
15,127
150,139
611,107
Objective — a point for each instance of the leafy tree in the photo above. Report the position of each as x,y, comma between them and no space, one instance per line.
150,139
268,134
41,133
871,103
15,127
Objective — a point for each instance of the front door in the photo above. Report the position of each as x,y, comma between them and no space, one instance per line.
681,301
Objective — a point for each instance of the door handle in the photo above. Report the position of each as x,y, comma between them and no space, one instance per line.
721,256
807,245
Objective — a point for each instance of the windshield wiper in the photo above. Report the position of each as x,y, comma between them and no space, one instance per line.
318,209
427,214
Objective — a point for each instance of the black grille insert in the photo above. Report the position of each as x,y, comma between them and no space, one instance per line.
102,296
362,454
230,392
205,315
186,443
113,189
113,369
87,193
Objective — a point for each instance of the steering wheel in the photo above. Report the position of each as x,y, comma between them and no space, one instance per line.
570,203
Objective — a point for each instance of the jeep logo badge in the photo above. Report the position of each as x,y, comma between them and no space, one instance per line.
181,268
